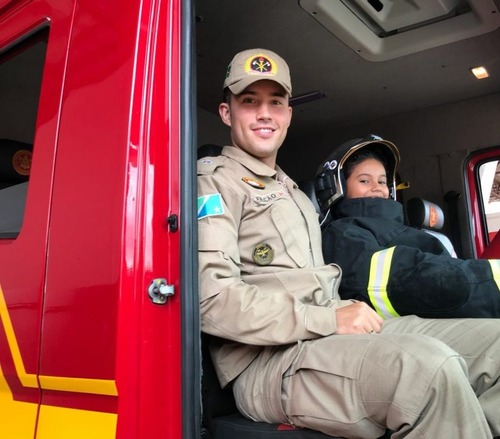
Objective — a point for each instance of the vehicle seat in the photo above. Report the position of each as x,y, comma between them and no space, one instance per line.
307,186
209,150
221,419
429,217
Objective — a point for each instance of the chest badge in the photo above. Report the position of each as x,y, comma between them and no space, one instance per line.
254,183
263,254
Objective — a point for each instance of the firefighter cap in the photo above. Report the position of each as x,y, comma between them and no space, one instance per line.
254,65
330,182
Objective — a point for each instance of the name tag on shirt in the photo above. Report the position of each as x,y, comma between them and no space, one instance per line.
271,197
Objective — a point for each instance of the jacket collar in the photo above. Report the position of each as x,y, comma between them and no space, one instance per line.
381,208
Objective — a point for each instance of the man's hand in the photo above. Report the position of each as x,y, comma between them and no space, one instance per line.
357,318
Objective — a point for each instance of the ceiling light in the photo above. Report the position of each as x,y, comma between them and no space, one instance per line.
479,72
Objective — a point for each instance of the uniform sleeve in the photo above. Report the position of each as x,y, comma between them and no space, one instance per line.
273,308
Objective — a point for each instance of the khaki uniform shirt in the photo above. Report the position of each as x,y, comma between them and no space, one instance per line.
263,281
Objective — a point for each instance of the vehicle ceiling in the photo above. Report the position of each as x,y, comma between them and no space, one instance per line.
356,90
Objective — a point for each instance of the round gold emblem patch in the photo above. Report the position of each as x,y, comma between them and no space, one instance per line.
263,254
21,162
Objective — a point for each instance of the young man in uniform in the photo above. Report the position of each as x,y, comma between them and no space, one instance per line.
292,351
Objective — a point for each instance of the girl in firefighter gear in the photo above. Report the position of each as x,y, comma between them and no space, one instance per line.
396,269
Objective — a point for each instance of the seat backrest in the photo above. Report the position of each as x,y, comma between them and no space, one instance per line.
209,150
429,217
307,186
216,400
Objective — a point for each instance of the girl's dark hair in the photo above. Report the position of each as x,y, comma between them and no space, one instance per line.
359,157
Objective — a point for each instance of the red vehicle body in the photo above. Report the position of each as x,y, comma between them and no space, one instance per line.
84,350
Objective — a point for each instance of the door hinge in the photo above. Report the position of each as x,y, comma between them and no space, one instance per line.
159,291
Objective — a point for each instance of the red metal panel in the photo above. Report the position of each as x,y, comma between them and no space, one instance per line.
83,294
86,219
22,261
153,191
7,6
116,180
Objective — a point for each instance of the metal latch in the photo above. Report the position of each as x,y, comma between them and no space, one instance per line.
160,291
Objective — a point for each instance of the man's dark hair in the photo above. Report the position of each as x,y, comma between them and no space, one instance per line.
226,95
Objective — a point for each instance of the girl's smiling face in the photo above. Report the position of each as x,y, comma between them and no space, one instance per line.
367,179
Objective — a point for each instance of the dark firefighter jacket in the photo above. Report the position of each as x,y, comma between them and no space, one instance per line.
401,270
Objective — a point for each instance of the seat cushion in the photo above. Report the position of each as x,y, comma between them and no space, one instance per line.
236,426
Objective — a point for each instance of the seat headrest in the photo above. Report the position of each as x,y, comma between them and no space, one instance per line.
307,186
424,214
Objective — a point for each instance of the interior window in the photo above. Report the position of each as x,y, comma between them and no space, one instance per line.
21,68
482,172
489,182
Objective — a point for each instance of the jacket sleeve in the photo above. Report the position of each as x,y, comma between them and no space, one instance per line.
400,279
276,307
441,286
350,247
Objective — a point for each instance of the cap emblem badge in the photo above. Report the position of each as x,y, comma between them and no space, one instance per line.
260,64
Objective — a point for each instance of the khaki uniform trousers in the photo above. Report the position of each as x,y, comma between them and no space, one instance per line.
412,378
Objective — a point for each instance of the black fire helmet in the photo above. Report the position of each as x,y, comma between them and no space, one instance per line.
330,183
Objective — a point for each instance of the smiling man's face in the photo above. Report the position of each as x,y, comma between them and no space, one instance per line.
259,118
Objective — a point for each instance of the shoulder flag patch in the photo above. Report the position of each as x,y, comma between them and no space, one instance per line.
210,205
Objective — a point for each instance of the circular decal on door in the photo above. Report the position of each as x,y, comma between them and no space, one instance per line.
21,162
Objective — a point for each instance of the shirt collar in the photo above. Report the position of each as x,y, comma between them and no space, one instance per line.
249,162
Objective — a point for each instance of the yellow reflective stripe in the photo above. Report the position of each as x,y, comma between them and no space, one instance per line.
67,423
64,384
27,380
380,267
78,385
17,418
495,269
